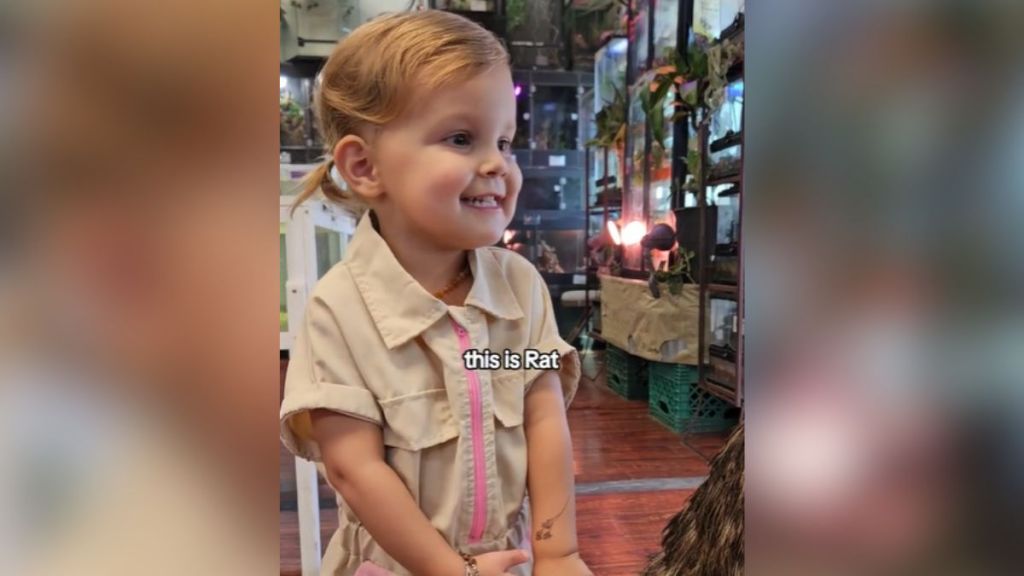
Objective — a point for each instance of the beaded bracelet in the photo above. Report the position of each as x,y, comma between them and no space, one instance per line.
471,567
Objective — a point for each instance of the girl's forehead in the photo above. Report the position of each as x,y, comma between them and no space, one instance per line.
466,100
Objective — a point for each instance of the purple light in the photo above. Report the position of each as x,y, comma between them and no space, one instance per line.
519,90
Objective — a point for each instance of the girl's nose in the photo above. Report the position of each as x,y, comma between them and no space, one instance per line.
495,165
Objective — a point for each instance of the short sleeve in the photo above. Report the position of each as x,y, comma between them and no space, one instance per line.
544,338
321,374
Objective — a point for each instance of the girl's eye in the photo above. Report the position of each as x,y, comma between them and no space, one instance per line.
504,145
461,139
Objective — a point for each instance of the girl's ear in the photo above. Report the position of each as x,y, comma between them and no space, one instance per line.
354,163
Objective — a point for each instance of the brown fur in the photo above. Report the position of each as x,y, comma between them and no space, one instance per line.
706,537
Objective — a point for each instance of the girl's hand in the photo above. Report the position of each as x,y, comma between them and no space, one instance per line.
498,563
571,565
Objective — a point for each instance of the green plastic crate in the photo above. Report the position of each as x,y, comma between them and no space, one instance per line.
627,374
677,402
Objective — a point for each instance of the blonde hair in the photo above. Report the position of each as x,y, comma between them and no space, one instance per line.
368,78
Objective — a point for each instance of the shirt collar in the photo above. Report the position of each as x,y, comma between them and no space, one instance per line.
399,306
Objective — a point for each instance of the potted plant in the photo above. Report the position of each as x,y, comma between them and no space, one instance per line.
675,79
610,122
674,276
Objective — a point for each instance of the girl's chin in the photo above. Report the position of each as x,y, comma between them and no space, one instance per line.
481,239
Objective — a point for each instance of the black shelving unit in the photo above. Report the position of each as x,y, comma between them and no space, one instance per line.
720,273
660,26
549,149
603,181
300,139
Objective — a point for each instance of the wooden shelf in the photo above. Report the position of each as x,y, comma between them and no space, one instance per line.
717,390
727,179
730,140
730,357
736,190
724,289
722,378
733,30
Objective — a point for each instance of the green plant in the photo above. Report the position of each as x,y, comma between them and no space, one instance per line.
653,103
693,168
672,79
515,11
290,108
678,274
611,122
592,21
720,58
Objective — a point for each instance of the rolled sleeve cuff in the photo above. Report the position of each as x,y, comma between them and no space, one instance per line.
296,426
568,372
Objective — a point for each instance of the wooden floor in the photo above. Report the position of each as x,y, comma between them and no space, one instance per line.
633,475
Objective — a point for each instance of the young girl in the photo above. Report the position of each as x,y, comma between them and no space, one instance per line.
432,460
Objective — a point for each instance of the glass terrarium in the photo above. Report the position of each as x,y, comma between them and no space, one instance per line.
725,256
545,191
710,17
296,128
636,153
692,157
610,71
555,118
723,322
659,191
641,36
725,198
588,130
601,254
588,127
604,164
724,154
563,246
522,138
551,251
666,27
596,223
300,141
724,341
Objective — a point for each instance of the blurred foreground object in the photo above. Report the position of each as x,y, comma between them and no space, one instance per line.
886,271
138,377
706,537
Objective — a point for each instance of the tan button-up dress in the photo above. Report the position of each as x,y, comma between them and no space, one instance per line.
376,346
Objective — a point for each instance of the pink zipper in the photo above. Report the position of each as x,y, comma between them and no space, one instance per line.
476,530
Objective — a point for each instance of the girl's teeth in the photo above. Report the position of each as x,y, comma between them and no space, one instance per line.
487,202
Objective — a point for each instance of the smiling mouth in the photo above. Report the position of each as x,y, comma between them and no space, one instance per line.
482,201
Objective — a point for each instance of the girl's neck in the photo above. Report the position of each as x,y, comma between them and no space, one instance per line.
433,267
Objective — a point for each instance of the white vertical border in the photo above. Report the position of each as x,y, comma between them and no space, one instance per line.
300,245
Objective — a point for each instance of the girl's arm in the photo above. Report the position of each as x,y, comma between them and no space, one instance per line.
353,455
550,480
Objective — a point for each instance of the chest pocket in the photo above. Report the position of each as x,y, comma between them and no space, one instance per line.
417,421
509,389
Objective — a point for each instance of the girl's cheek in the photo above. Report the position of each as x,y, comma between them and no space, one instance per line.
514,180
448,179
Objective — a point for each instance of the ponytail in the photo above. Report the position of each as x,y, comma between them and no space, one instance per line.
320,179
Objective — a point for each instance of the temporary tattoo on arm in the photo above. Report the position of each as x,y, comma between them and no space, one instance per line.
545,528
